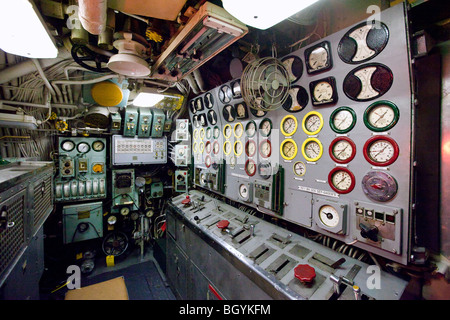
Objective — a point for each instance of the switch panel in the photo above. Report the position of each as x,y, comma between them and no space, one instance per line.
126,151
159,119
145,122
131,122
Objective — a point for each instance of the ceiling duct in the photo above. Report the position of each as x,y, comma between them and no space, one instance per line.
207,33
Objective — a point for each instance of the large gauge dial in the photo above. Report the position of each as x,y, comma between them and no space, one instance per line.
238,130
289,125
379,186
227,147
381,150
341,180
250,128
299,168
227,131
312,149
67,145
381,116
318,58
238,148
312,123
342,150
265,148
329,216
342,120
250,167
98,145
83,147
265,127
288,149
323,91
250,148
243,191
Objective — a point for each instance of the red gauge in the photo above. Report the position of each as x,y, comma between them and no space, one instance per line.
250,148
341,180
250,167
381,150
216,147
265,148
342,150
208,161
208,147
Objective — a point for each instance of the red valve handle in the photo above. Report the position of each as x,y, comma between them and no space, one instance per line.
222,224
305,273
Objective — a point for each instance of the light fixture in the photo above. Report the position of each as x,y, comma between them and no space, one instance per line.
263,14
146,99
24,32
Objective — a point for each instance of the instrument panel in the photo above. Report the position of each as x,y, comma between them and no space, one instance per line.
337,155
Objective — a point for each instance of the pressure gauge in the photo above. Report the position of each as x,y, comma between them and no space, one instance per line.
329,216
201,147
227,147
265,127
342,120
250,148
208,100
124,211
323,91
225,94
379,186
216,132
318,58
312,149
299,168
195,147
381,116
149,213
238,130
341,180
67,145
312,123
216,147
238,148
250,167
229,113
342,150
258,113
208,147
202,133
288,149
98,145
112,220
265,148
250,128
83,147
381,150
241,111
196,121
243,191
289,125
199,104
195,134
227,131
208,161
208,133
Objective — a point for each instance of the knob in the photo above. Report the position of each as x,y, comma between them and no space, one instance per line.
305,273
369,232
186,201
223,224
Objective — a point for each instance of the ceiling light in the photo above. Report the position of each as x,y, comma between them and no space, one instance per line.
24,32
145,99
263,14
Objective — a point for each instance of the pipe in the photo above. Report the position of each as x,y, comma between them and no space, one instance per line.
199,79
44,78
192,83
93,15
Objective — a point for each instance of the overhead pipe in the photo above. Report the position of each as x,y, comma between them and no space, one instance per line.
190,79
93,15
199,79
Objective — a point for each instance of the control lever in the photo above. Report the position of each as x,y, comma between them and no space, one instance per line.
369,232
341,280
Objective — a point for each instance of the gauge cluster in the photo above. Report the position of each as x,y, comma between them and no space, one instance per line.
341,143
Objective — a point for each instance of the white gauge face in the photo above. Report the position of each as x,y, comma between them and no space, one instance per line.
98,145
381,116
342,150
323,91
195,134
124,211
313,123
265,127
227,131
243,191
208,147
265,148
289,149
329,216
83,147
342,180
238,130
289,126
216,132
240,110
216,148
208,161
318,58
238,148
343,120
68,145
312,150
112,220
227,147
208,133
299,168
251,148
381,151
251,129
250,168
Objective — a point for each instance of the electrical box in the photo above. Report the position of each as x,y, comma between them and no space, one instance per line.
134,150
116,122
156,190
159,119
182,130
145,122
124,194
130,122
181,180
82,222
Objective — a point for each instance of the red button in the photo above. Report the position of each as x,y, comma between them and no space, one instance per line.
186,201
304,272
222,224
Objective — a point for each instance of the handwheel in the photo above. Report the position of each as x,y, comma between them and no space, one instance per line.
83,55
115,244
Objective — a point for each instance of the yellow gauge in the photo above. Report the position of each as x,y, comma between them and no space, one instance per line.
202,133
299,168
312,149
227,147
289,125
201,147
238,148
238,130
195,134
312,123
227,131
288,149
195,147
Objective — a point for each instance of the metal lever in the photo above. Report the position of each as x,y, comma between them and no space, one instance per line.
338,281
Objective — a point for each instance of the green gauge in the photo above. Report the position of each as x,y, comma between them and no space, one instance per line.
342,120
265,127
208,133
216,132
381,116
250,128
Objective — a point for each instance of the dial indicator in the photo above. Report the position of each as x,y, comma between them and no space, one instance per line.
381,116
323,91
342,120
288,149
265,127
329,216
67,145
227,131
318,58
250,128
381,150
341,180
312,123
227,147
238,130
250,167
238,148
299,168
250,148
289,125
342,150
83,147
312,149
265,148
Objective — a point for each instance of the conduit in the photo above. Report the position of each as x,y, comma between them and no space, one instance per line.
93,15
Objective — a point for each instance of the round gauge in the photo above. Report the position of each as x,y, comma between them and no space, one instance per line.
323,91
201,147
227,131
297,100
195,147
265,127
216,132
203,179
238,130
288,125
329,216
227,147
196,134
381,151
318,58
243,191
342,150
312,149
379,186
241,111
288,149
225,94
265,169
125,211
208,161
342,120
381,116
212,117
294,67
67,145
265,148
312,123
202,133
83,147
229,113
236,88
216,147
208,100
250,128
238,149
208,133
341,180
98,145
232,161
112,220
299,168
208,147
250,167
250,148
258,113
149,213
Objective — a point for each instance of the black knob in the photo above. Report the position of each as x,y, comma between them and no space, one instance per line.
369,232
